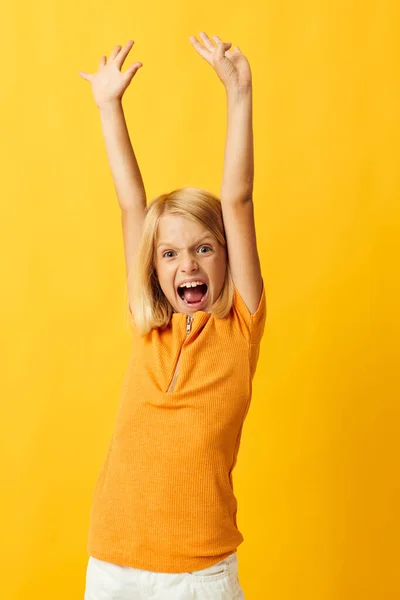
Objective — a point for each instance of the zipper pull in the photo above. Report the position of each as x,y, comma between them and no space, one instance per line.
189,320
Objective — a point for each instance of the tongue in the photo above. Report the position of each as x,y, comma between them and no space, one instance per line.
193,294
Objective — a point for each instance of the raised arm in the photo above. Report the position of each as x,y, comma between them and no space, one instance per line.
238,175
108,87
233,69
127,179
125,170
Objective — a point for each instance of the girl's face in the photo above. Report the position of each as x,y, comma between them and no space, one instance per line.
185,250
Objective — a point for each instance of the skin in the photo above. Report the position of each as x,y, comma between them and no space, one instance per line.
109,84
189,254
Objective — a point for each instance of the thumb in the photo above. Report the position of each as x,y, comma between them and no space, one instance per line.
84,75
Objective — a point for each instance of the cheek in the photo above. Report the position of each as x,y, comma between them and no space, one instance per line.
164,276
219,264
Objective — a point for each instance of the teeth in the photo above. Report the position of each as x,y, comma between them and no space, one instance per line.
193,284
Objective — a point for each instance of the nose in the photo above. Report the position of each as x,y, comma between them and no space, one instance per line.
188,263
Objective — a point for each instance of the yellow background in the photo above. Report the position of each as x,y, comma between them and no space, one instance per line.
317,478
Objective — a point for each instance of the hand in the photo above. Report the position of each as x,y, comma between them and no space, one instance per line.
109,84
231,66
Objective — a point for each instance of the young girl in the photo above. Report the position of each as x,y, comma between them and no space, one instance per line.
163,518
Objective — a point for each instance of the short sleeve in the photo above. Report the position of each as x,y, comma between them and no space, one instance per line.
251,325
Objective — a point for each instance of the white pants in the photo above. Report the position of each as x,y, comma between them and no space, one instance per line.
107,581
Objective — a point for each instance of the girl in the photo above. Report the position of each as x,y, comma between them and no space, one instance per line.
163,518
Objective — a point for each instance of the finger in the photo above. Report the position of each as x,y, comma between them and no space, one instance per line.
124,53
206,41
85,75
216,39
232,51
221,49
200,49
102,62
114,53
132,70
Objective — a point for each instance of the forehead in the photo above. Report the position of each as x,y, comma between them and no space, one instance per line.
180,229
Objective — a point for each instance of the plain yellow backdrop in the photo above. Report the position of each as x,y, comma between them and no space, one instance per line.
317,478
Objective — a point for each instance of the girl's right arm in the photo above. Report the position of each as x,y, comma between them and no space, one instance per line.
108,87
127,178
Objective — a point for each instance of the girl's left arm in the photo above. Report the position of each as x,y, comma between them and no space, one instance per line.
237,198
233,69
238,175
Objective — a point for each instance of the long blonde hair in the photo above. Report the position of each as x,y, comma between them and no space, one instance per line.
150,306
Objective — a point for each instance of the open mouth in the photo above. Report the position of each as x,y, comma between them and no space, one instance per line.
193,296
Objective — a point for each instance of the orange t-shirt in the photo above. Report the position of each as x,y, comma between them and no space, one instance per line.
164,498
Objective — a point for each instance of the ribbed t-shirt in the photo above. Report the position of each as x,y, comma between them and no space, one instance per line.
164,498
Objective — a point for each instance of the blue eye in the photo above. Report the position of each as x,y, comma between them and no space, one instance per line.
205,247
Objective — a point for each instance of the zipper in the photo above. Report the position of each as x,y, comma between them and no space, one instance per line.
189,320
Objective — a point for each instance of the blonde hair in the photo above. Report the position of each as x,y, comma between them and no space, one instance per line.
150,306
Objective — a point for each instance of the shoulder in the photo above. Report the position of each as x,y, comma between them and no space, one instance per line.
252,324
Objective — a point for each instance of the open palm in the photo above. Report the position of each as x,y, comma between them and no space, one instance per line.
231,66
108,83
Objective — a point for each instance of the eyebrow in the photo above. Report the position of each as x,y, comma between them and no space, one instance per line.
170,244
